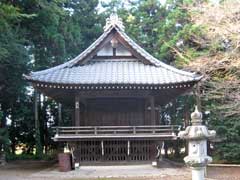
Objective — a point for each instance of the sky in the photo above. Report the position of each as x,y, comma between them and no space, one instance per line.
126,1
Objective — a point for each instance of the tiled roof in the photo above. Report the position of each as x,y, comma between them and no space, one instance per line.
120,71
127,71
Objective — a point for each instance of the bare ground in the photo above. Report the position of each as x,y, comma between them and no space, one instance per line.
40,170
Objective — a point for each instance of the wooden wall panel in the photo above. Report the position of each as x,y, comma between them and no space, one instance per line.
114,111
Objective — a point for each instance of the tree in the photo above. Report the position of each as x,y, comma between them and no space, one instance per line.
13,63
53,32
36,35
13,57
221,69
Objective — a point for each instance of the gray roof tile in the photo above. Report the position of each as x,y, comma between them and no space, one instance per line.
113,72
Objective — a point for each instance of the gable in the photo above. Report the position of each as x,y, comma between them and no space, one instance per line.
114,48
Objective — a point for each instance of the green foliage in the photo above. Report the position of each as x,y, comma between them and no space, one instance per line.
228,152
36,35
164,30
60,29
228,131
13,55
13,63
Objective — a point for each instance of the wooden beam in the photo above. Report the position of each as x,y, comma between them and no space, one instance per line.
120,93
77,110
116,57
114,52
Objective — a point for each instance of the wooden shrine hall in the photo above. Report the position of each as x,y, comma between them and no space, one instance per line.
116,89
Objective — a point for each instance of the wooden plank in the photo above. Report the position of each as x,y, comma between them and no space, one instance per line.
116,137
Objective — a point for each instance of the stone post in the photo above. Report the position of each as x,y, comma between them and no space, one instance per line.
197,136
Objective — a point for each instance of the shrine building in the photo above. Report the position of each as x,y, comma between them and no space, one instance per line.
115,89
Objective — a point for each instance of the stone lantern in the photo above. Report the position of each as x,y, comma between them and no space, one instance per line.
197,136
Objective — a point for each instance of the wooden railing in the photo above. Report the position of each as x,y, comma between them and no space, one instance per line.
117,130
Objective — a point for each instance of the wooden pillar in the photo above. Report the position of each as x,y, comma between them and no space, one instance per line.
77,110
60,114
153,115
146,113
158,119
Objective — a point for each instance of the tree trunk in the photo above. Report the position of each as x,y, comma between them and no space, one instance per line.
37,126
45,128
198,97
